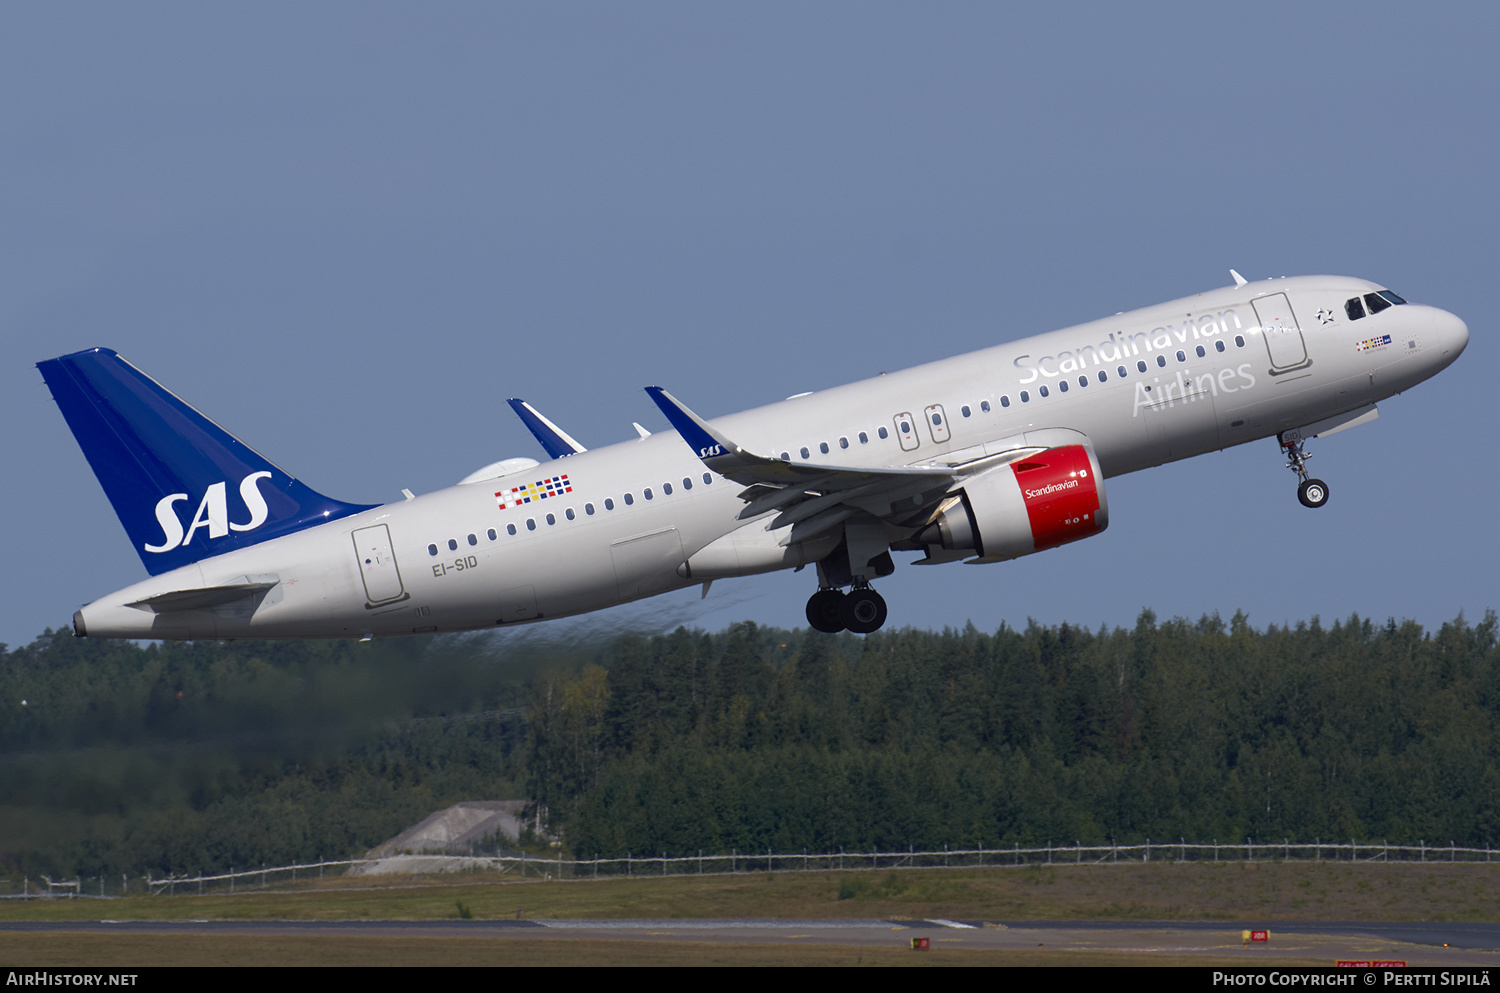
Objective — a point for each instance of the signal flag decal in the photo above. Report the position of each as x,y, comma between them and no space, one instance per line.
539,490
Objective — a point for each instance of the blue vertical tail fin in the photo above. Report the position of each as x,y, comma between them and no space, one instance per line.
183,487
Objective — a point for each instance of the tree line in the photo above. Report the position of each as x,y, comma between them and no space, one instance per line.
117,757
756,739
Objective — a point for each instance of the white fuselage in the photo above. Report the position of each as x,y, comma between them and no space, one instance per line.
1220,369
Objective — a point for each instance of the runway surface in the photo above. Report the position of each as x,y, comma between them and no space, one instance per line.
1418,942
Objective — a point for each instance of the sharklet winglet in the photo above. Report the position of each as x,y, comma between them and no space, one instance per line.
700,436
557,442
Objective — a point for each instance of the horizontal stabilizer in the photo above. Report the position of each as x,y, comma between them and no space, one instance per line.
200,599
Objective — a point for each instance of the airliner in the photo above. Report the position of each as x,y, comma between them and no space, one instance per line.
980,459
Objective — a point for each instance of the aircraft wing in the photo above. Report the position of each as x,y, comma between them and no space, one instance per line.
813,498
554,439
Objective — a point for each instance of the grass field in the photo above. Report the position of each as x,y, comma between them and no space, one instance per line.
1266,891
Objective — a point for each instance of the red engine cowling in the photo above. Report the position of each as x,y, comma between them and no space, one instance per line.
1039,502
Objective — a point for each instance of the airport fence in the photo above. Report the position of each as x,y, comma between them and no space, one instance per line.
1018,856
522,864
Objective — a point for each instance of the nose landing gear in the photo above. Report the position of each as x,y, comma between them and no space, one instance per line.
1310,492
861,610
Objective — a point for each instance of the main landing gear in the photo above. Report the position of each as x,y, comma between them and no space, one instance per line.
861,610
1310,492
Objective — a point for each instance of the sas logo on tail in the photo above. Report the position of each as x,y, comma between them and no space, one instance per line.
213,513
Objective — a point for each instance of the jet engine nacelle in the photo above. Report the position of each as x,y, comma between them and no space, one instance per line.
1040,501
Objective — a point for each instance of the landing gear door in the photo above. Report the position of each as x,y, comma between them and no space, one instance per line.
377,564
1278,326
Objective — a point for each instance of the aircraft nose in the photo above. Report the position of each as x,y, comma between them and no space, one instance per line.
1451,332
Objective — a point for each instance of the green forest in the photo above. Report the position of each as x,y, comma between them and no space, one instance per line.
121,758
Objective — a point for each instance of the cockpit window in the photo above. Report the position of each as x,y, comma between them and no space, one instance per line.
1354,308
1393,298
1376,302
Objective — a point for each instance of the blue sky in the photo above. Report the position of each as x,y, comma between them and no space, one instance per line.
348,231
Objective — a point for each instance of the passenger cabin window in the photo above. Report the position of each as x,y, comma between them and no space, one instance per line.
1004,400
984,405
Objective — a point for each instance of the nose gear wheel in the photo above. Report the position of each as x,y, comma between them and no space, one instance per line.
1310,492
